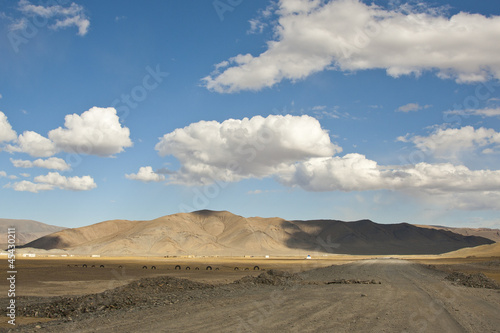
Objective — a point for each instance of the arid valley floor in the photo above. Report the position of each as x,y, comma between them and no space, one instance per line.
333,294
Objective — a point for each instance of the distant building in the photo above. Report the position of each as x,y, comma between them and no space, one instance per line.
308,256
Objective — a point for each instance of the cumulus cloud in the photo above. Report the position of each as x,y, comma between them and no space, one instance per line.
354,172
63,17
412,107
54,179
21,163
6,131
237,149
95,132
54,163
297,152
3,174
452,142
349,35
33,144
27,186
146,174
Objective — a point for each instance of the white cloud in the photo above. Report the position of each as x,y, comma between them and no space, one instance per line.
146,174
255,192
21,163
84,183
19,24
33,144
25,175
238,149
444,177
1,96
487,200
354,172
54,180
54,163
96,132
348,35
486,112
6,131
256,26
452,142
3,174
73,15
27,186
78,21
412,107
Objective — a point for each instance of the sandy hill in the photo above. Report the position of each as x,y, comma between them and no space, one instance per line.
490,250
26,230
493,234
223,233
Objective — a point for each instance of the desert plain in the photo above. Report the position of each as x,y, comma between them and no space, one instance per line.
304,284
335,293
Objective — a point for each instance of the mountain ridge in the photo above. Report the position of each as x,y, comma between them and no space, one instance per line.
26,230
223,233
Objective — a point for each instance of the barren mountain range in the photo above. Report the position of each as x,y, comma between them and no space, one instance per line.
223,233
493,234
26,230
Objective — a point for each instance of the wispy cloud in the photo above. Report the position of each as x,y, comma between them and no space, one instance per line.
61,17
410,107
486,112
257,192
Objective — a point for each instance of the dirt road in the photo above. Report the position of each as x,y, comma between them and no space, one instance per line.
409,298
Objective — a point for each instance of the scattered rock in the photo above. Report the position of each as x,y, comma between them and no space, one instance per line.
271,277
476,280
145,292
344,281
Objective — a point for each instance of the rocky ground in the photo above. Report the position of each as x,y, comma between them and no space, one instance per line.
476,280
370,296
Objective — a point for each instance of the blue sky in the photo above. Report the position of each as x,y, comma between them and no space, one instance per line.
299,109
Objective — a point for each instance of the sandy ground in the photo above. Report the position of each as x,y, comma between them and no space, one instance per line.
410,297
67,276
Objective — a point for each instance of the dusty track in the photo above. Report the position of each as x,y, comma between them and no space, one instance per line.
410,298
